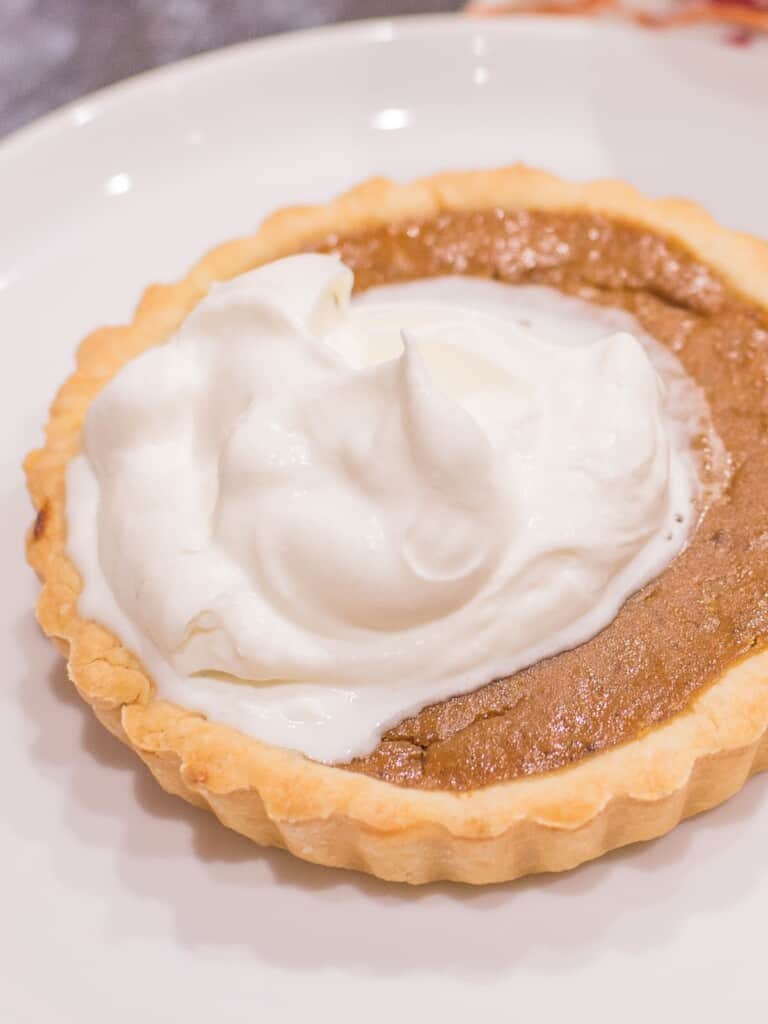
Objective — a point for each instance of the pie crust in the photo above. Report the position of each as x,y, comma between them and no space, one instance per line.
277,797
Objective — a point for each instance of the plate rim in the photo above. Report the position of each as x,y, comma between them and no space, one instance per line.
385,30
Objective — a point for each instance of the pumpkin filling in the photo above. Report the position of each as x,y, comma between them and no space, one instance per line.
708,608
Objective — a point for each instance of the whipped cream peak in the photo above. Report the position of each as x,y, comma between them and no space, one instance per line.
311,516
307,294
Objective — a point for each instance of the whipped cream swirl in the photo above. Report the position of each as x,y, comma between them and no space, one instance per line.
312,517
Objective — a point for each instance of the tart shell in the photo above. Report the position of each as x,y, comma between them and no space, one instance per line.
277,797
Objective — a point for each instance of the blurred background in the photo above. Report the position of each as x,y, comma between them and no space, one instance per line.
52,51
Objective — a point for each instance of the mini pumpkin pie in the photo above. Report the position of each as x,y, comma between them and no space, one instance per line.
464,577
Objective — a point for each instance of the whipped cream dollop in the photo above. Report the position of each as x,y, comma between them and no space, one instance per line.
311,517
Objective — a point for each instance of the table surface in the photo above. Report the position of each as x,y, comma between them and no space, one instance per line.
52,51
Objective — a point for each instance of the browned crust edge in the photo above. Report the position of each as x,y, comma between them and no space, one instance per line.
277,797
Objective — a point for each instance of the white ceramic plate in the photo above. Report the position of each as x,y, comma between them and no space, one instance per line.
120,903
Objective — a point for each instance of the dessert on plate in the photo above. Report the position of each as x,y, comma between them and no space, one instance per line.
426,532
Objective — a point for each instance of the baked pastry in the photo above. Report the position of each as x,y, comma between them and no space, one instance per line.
660,715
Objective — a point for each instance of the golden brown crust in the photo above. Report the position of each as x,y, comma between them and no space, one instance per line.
541,823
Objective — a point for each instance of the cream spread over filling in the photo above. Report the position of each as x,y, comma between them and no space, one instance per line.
310,517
